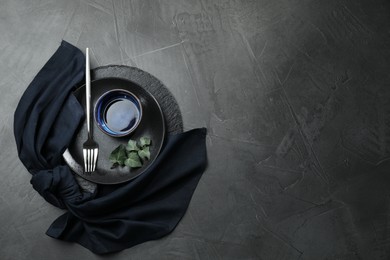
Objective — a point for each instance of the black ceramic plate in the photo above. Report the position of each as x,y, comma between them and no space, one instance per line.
152,125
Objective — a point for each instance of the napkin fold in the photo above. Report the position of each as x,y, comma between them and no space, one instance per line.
114,217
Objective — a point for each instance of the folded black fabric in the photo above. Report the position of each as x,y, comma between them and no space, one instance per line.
115,217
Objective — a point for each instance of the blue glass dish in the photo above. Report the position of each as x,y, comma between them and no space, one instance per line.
118,112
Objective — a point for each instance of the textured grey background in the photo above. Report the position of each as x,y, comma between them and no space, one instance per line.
295,95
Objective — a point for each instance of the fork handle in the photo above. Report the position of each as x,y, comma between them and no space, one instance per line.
88,91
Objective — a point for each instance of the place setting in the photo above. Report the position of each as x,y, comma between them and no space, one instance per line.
120,112
118,129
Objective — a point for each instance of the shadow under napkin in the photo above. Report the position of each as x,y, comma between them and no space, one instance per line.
115,217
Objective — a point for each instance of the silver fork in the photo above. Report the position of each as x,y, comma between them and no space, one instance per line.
90,147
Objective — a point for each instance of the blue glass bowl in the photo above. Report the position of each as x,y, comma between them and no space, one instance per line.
118,112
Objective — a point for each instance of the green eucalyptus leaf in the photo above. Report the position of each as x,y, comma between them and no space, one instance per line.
133,160
132,146
132,155
118,156
144,153
144,141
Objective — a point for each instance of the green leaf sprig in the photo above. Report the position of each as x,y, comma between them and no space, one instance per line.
132,155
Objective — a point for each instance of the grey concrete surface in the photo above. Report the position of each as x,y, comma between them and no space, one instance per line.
296,98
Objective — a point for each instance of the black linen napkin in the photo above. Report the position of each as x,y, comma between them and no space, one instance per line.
115,217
